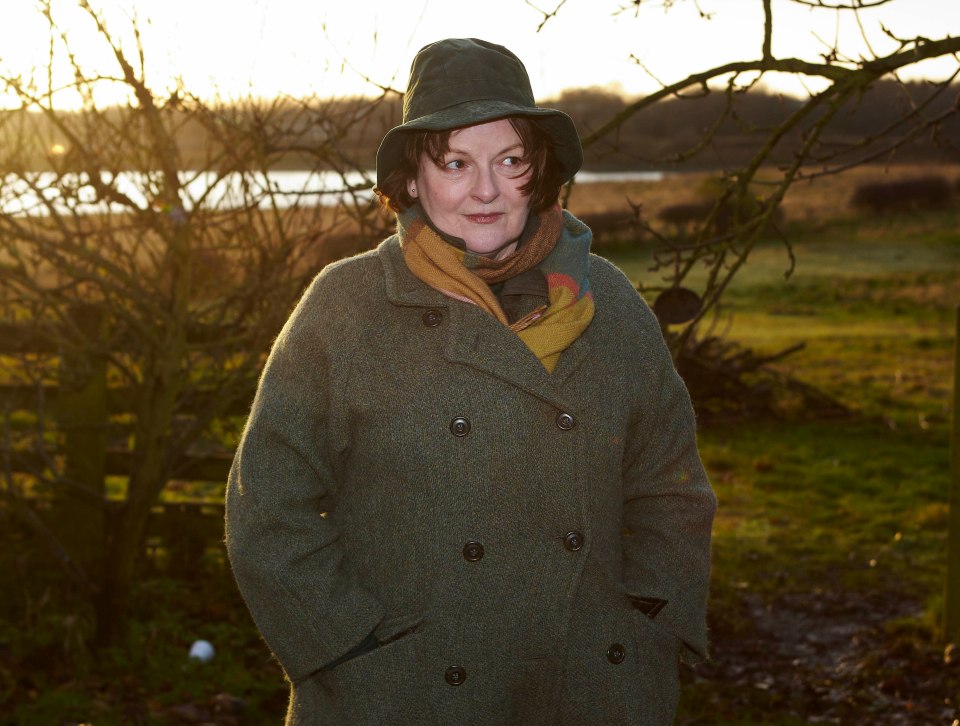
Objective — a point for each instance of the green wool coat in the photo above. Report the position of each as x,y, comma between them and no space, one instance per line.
409,468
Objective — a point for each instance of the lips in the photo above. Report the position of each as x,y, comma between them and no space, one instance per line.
484,218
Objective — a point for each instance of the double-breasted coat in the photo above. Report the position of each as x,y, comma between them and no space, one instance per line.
527,547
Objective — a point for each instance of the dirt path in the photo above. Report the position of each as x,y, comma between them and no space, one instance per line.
833,659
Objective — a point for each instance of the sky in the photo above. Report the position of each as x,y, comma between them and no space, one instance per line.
235,48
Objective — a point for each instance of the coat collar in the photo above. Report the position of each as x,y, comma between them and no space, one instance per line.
477,339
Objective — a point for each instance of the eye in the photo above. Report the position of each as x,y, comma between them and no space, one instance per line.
515,165
454,165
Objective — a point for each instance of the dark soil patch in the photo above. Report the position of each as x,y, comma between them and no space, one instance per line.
827,657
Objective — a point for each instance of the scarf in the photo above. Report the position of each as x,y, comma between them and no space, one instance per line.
558,246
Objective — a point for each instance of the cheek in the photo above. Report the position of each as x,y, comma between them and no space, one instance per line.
438,197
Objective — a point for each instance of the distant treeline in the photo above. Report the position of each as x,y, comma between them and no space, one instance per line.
342,133
661,135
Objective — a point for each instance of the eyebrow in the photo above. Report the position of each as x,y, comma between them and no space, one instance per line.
464,152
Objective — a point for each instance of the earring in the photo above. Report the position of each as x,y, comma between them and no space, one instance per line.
413,190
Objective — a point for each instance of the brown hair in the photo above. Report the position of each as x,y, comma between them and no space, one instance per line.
543,188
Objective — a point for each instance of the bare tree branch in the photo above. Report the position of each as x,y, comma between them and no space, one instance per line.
546,15
852,5
163,217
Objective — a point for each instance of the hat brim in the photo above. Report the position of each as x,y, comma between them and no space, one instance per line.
561,127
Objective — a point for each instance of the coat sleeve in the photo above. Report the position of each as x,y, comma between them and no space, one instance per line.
668,502
281,528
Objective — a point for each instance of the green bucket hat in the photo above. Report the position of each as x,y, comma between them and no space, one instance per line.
465,81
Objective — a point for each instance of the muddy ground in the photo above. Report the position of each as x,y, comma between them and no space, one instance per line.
831,658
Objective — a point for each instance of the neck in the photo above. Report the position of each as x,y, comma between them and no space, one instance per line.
504,252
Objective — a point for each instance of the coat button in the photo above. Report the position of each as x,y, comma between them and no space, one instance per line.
472,551
432,318
455,675
573,540
565,421
616,653
460,426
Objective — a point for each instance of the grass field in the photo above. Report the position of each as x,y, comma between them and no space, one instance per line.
829,543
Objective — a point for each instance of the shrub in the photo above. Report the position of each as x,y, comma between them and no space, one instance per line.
927,192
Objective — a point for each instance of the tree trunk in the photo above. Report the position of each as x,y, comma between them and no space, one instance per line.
79,504
128,529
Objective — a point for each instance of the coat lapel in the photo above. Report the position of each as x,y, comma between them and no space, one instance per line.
477,339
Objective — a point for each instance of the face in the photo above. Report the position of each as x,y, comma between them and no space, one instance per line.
474,194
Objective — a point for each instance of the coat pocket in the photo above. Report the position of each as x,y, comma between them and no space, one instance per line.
382,686
394,628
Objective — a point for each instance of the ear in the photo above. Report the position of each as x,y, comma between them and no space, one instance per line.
412,188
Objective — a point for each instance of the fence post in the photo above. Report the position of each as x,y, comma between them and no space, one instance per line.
952,604
82,418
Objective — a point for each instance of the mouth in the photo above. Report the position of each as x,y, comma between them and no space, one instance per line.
484,218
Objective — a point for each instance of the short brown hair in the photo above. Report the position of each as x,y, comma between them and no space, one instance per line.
543,188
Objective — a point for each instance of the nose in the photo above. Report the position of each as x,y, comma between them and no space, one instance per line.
486,186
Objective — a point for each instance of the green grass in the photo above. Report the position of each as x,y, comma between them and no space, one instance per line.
856,500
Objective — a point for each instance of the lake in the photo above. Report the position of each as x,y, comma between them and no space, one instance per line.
41,192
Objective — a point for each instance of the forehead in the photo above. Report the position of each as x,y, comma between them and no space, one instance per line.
493,135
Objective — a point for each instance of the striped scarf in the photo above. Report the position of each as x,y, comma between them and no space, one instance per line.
558,247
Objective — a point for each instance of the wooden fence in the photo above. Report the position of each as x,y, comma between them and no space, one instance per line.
80,407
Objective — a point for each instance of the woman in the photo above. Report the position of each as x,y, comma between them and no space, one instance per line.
469,490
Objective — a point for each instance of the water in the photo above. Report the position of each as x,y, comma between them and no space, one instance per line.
591,177
41,193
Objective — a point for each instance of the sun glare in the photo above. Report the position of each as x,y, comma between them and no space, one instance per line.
337,49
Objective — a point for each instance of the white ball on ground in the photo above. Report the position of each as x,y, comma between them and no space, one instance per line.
202,651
